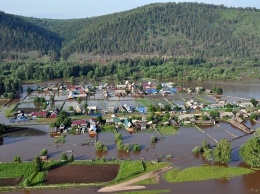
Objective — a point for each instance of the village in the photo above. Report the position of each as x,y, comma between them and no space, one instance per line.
131,106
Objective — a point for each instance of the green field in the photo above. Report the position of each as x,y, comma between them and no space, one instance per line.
144,102
169,130
200,173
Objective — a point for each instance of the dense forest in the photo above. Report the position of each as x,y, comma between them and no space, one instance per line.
13,73
156,30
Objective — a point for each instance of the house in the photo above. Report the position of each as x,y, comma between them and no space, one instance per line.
239,126
53,115
207,91
121,87
78,123
128,125
217,106
226,114
245,104
42,114
80,109
166,123
143,126
120,93
151,91
142,110
174,123
94,108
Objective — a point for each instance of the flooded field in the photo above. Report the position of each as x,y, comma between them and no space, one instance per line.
29,107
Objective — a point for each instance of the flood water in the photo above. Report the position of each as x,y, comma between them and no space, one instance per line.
178,145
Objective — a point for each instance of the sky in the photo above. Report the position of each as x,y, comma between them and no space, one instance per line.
67,9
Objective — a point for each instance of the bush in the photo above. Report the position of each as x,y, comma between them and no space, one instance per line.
169,157
154,139
103,159
44,152
196,150
37,164
71,158
17,159
136,147
127,147
64,156
118,137
250,151
205,145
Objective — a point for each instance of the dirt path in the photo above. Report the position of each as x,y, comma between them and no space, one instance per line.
128,184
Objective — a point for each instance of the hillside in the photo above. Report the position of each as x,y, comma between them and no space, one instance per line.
166,29
18,36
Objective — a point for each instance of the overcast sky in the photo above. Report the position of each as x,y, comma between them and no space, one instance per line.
65,9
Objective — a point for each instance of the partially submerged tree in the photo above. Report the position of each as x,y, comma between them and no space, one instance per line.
250,151
222,152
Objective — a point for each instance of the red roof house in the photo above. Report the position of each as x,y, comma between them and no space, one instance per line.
39,114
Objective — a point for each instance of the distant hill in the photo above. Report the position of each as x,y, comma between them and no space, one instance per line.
164,29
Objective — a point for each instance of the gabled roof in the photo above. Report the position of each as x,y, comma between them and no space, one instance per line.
78,122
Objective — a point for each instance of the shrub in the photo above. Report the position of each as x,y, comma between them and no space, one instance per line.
17,159
71,158
154,139
103,159
37,164
44,152
196,150
127,147
169,157
64,156
136,147
118,137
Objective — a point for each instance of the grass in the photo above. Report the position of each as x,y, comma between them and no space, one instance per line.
168,130
15,170
144,102
150,181
146,192
8,112
200,173
3,101
129,168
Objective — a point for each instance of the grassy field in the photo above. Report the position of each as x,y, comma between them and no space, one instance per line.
144,102
169,130
14,170
200,173
128,170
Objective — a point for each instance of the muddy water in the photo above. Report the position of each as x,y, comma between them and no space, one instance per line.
244,89
179,146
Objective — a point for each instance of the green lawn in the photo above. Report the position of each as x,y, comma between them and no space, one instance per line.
169,130
144,102
200,173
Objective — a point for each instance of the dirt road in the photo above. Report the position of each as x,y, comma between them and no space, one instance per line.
128,184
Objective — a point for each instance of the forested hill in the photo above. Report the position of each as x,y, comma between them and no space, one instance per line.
19,35
165,29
